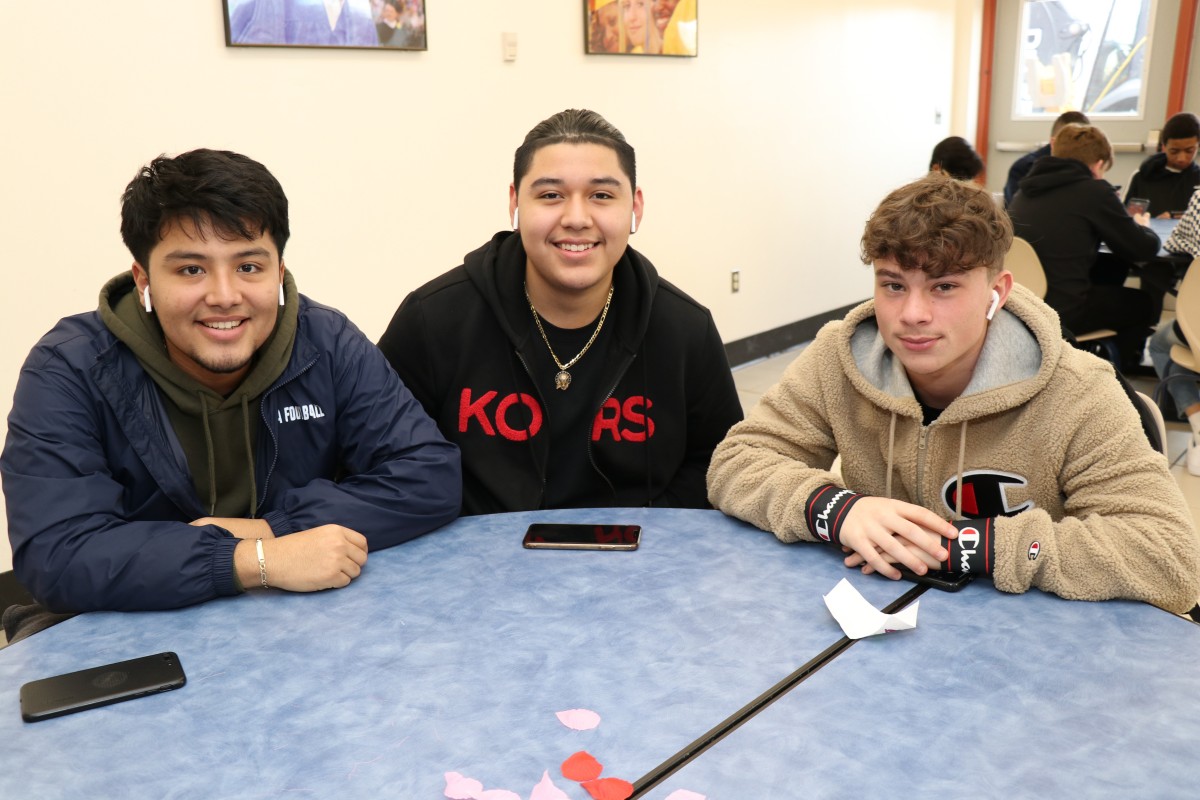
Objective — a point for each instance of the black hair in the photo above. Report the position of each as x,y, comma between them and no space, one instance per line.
955,157
1183,125
574,126
233,193
1069,118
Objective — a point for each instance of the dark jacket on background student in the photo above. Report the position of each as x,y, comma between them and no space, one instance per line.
660,393
1167,191
1065,213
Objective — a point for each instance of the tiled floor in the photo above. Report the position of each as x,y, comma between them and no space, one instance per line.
755,378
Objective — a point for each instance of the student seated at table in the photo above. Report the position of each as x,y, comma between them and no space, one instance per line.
208,429
1065,210
1184,393
1169,177
972,437
565,368
955,157
1020,168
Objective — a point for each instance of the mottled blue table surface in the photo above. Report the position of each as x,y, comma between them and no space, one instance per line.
452,653
990,696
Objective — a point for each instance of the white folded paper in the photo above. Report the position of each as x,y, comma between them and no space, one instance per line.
859,618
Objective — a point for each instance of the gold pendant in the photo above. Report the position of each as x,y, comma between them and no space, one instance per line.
562,380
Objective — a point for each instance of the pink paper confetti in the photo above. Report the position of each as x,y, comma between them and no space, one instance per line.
684,794
461,788
579,719
546,790
608,788
581,766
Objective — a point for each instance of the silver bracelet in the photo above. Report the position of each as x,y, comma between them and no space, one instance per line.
262,563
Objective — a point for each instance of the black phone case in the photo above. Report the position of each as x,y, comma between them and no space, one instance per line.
100,686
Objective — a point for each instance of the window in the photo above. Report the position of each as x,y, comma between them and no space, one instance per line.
1083,55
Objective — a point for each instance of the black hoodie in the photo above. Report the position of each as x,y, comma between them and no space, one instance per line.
1065,213
465,345
1166,190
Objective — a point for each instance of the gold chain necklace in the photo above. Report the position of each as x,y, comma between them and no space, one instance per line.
563,379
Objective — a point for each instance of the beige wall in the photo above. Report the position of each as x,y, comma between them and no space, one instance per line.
763,154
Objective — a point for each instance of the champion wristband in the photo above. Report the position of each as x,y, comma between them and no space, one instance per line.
826,509
974,551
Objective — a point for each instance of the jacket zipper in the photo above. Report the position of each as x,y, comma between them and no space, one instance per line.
262,410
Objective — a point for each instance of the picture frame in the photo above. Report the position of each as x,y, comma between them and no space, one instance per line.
640,27
354,24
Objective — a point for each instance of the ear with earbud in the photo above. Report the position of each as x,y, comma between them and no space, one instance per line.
281,301
146,300
633,223
516,211
995,304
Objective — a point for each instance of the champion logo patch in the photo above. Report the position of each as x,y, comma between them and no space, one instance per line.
1034,549
985,493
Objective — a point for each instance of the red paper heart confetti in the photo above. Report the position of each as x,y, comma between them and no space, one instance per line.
581,767
608,788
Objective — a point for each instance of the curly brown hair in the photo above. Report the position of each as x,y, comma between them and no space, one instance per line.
939,226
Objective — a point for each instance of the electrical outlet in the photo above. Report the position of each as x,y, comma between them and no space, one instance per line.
735,280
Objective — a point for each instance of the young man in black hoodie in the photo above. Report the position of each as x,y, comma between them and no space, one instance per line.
567,371
1169,177
1065,209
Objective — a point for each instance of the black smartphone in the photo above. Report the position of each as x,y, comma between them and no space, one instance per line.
554,536
938,579
100,686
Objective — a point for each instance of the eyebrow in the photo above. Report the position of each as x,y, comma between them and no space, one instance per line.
605,181
188,255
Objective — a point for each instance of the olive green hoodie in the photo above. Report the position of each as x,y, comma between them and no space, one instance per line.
217,434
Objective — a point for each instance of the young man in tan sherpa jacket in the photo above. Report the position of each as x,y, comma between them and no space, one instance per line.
973,438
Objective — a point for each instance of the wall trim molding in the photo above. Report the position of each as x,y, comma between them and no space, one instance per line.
785,337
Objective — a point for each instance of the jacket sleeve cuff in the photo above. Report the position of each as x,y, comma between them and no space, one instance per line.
225,583
826,509
974,551
280,522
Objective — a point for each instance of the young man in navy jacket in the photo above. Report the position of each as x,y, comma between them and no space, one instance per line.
568,372
208,429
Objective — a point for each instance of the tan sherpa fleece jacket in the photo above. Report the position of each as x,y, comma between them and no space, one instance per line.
1048,440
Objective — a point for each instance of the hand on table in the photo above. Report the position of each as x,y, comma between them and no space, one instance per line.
879,532
327,557
239,526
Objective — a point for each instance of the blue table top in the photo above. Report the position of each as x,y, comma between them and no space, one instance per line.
450,653
991,695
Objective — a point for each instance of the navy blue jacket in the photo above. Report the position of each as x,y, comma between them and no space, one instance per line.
98,491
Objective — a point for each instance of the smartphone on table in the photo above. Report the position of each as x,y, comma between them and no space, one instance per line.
938,579
100,686
559,536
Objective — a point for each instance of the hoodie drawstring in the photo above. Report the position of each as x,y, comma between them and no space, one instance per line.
891,452
249,455
208,449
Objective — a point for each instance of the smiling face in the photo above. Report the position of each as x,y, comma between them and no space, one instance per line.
936,326
576,206
216,299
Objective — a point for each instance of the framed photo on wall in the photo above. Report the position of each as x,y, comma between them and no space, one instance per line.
640,27
367,24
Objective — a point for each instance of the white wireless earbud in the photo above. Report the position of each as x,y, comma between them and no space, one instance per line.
281,294
994,305
146,299
516,211
633,223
